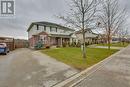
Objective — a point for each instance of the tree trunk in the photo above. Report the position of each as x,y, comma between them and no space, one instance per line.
109,43
83,30
123,41
109,27
84,47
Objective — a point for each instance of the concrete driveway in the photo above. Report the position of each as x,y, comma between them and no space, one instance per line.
26,68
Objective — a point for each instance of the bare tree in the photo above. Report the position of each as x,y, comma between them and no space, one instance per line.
80,16
111,17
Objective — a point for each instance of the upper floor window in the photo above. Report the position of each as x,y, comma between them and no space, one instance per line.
61,31
64,31
50,29
44,28
54,29
37,27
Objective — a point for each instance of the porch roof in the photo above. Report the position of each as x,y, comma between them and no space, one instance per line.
53,34
59,35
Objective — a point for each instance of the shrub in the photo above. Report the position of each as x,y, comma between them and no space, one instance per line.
78,44
57,46
47,47
86,43
73,44
64,44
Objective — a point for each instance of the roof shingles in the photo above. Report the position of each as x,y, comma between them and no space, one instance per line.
49,24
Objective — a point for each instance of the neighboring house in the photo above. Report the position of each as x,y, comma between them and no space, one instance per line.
90,37
50,34
128,38
117,38
74,38
113,39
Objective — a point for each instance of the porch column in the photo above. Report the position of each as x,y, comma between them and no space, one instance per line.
49,41
33,41
61,42
71,41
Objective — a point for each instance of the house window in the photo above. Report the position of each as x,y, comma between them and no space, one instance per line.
56,29
44,28
64,31
37,27
43,38
89,31
50,29
53,30
61,31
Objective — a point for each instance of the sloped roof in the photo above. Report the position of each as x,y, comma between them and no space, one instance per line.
59,35
48,24
80,31
55,34
88,33
5,38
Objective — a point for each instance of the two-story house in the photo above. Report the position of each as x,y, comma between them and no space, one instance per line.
50,34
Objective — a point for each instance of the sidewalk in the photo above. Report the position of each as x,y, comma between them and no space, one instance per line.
112,72
105,47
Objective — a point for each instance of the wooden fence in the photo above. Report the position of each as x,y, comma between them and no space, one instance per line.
14,43
8,41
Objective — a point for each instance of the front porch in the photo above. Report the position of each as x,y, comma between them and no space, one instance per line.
46,40
59,41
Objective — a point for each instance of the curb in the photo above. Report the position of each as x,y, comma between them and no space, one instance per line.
86,72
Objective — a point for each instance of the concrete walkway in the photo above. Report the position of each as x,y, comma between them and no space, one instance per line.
112,72
105,47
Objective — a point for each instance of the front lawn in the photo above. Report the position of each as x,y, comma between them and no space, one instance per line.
73,56
115,44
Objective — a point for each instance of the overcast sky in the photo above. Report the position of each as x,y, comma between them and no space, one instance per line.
28,11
